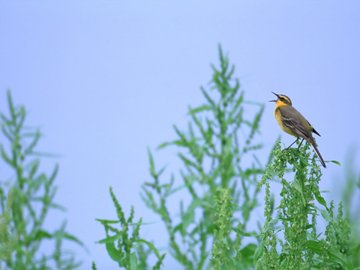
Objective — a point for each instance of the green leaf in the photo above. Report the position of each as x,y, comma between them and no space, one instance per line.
150,245
259,251
114,253
180,143
297,185
315,246
325,214
335,162
133,261
209,99
42,234
151,163
158,264
249,250
11,105
188,216
319,247
74,239
320,198
6,158
200,109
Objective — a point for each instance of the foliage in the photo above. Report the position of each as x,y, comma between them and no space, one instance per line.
301,246
26,200
218,188
350,198
220,175
125,247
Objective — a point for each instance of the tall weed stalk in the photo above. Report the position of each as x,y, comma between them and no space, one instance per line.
217,190
26,199
290,238
220,173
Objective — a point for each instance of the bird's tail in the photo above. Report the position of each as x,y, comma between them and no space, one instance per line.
318,154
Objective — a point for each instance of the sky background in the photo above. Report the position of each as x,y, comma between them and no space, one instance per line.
104,80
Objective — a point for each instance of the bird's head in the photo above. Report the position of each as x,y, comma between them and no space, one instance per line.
281,99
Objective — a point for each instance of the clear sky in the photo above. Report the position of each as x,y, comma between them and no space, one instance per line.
104,80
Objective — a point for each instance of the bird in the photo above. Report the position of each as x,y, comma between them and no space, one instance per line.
294,123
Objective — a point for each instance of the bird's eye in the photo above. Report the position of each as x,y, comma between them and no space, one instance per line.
283,98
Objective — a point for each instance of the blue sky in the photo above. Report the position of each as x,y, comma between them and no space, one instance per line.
104,80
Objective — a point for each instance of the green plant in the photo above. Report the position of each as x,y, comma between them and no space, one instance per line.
217,190
301,246
124,245
219,165
26,199
350,198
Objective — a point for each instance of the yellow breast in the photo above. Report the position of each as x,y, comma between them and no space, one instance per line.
279,120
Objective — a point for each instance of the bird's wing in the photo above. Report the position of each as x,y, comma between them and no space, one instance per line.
293,120
314,130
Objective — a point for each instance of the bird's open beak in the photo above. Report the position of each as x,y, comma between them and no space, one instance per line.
274,100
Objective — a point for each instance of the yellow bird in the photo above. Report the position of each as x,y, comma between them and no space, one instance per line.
293,123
